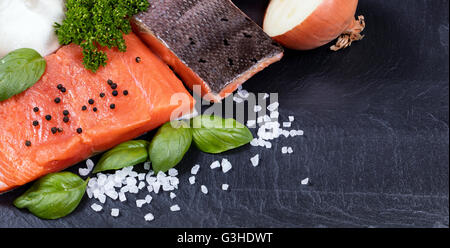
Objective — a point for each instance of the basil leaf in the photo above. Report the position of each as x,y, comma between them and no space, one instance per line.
169,145
53,196
213,134
126,154
19,70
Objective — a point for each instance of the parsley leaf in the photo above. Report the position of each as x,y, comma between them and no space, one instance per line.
93,24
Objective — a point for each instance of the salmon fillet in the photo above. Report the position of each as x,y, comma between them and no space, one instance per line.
209,43
150,84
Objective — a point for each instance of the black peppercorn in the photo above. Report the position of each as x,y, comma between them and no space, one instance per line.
66,119
65,112
57,100
84,108
79,130
36,109
102,95
114,86
138,59
125,92
112,106
59,86
115,93
110,81
28,143
35,123
63,90
48,117
94,109
91,101
54,130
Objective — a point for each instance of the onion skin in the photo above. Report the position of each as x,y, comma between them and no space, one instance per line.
326,23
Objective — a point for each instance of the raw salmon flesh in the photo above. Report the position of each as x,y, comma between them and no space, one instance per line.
39,136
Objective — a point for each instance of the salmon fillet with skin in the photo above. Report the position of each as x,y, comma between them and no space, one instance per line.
150,85
209,43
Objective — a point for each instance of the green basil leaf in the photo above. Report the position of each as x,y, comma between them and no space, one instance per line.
53,196
169,145
19,70
126,154
213,134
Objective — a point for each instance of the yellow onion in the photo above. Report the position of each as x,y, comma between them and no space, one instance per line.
308,24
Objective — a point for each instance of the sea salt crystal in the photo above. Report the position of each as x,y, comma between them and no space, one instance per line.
149,179
305,181
268,145
141,185
122,197
102,198
172,195
192,179
300,132
90,164
112,194
149,217
290,150
156,187
148,199
173,172
225,186
273,106
215,165
141,176
167,187
266,118
254,142
175,208
204,189
286,124
133,189
284,149
147,165
150,189
195,169
96,207
255,160
243,93
291,118
226,165
89,193
285,133
274,114
101,179
140,203
174,181
130,181
83,172
114,212
237,99
257,108
251,123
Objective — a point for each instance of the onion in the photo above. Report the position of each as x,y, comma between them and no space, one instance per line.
308,24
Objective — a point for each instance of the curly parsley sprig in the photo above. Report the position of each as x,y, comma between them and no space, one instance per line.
98,23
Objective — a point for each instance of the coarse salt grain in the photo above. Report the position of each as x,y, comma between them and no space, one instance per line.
172,195
237,99
175,208
140,203
286,124
195,169
251,123
305,181
173,172
122,197
257,108
204,189
147,165
290,150
291,118
141,185
284,149
215,165
149,217
225,186
226,165
192,179
114,212
273,106
243,93
255,160
96,207
148,199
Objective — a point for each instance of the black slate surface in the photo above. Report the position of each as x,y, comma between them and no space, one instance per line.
376,139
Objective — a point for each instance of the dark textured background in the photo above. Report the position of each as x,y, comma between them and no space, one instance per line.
376,139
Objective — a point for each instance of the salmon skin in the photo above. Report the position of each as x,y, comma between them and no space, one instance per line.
210,43
143,103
